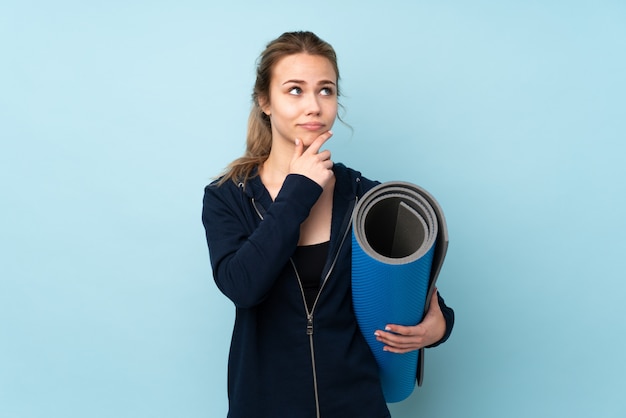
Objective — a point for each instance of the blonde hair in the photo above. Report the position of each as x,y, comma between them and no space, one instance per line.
259,135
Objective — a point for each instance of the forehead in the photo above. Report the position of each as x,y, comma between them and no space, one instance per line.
304,67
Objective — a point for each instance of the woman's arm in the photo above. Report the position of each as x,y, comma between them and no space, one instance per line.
246,264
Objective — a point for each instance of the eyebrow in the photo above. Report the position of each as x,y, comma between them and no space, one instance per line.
321,82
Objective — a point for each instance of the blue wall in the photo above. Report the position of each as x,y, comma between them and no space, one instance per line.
113,117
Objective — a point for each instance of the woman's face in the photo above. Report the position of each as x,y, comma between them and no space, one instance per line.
302,98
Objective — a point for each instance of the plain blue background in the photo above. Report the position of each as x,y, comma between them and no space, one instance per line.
113,117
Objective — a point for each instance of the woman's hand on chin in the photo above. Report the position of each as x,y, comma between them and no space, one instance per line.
312,162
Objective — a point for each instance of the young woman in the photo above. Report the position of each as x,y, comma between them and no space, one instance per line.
276,225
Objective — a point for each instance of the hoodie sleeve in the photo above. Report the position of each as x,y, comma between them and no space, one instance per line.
246,263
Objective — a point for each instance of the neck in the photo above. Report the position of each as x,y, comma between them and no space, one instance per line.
276,167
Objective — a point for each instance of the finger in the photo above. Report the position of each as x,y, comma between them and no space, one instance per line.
407,340
319,141
397,350
399,329
324,155
396,340
298,149
405,344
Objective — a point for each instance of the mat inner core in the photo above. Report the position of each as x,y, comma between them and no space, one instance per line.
393,229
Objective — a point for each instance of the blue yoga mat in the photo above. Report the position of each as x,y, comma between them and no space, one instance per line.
399,242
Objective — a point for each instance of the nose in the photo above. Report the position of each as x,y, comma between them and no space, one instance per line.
313,105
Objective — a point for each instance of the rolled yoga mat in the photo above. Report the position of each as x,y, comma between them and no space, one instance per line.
399,242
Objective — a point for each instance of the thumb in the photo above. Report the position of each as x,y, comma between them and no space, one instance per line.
298,150
434,303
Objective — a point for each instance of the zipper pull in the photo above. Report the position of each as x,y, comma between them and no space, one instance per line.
309,325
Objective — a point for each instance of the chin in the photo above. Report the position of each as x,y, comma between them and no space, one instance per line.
308,138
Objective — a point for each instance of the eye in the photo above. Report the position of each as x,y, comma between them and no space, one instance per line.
327,91
296,91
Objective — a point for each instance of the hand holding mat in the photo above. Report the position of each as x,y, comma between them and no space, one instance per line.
399,242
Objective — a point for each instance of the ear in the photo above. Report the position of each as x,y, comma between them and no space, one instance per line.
264,104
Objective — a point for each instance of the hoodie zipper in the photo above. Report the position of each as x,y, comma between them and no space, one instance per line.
309,313
309,332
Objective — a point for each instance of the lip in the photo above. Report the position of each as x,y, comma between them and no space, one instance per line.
311,126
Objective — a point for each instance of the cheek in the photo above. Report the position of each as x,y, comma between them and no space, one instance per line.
284,109
332,110
332,104
283,118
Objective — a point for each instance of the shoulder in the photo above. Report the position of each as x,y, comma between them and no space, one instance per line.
219,187
222,195
353,179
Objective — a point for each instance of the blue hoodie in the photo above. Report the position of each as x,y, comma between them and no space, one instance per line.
284,361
